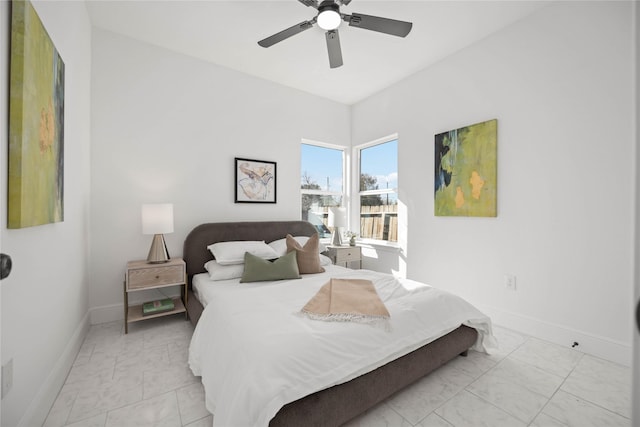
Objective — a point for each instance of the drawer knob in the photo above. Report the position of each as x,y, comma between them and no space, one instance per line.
157,277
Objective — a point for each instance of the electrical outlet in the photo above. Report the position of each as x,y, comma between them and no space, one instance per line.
510,282
7,377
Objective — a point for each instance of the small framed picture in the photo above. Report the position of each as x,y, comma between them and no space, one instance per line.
255,181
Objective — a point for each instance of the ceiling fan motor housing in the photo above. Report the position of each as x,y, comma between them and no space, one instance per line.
328,3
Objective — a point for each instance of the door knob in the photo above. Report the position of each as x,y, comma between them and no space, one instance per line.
5,266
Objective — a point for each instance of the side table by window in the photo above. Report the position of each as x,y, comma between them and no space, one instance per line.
345,255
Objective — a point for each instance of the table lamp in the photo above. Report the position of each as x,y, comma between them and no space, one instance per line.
157,219
337,219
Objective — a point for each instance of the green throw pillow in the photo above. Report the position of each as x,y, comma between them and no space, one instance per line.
257,269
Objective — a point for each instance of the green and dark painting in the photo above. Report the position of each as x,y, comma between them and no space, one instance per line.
466,171
36,123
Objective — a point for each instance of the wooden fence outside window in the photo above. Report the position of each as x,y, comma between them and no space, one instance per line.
379,222
376,222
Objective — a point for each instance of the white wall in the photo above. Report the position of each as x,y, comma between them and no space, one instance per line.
166,128
560,84
636,336
5,24
45,300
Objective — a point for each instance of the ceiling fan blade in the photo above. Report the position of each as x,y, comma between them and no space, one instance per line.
382,25
312,3
333,46
285,34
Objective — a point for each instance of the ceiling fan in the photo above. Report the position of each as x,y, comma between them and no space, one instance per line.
329,18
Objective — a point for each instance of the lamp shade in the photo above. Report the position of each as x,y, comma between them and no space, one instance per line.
337,217
157,218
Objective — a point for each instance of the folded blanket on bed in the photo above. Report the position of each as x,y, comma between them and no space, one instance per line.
347,300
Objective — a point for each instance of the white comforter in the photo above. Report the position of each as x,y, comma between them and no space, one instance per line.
255,354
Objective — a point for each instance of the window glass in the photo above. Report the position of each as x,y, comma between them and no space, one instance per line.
321,184
378,191
322,168
379,166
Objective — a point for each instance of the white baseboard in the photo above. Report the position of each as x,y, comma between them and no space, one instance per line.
106,313
38,410
594,345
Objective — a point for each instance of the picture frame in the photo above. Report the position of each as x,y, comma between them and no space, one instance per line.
466,166
36,123
255,181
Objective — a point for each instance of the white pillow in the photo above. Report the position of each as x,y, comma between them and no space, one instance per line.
228,253
325,260
280,246
223,272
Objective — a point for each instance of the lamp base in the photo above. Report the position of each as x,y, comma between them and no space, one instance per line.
335,237
158,253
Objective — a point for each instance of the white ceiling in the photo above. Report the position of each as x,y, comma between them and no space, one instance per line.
227,32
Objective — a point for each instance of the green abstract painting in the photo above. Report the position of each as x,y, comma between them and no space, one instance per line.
466,171
36,123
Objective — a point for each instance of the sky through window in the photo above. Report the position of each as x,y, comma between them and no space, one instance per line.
324,166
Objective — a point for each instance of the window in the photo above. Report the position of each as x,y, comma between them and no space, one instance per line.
322,183
378,190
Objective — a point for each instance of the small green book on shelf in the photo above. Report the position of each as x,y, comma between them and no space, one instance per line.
154,307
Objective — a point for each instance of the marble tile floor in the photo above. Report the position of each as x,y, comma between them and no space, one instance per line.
143,379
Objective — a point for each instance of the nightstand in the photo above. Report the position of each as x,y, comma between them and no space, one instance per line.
345,254
141,275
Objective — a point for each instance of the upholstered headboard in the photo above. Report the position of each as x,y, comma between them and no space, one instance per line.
195,252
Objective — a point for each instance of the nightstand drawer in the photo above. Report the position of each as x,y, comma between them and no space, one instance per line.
347,255
155,276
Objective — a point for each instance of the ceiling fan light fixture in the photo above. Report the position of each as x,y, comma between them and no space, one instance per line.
329,19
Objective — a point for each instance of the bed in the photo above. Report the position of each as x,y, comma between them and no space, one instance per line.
347,392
